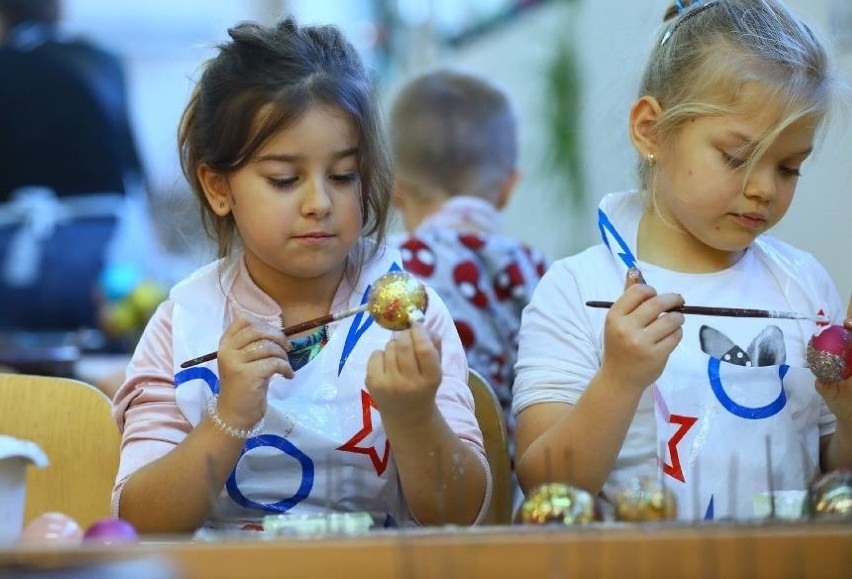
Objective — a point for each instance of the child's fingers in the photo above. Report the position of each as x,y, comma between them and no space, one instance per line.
412,352
375,365
279,366
667,344
263,348
436,342
244,331
427,347
640,300
650,310
273,334
632,298
664,326
375,368
404,352
634,276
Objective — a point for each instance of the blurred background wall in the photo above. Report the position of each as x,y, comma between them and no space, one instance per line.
515,43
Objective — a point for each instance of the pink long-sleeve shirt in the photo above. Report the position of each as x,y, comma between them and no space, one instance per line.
153,420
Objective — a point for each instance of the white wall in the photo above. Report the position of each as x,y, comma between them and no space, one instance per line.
615,38
820,219
162,42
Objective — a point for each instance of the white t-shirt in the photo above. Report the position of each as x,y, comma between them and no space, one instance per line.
561,344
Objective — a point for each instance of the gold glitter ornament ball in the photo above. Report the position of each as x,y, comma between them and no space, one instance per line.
830,496
397,300
558,503
645,499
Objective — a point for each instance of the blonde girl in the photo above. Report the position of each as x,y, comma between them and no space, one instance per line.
728,111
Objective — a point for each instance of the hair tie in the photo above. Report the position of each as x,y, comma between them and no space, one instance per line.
688,11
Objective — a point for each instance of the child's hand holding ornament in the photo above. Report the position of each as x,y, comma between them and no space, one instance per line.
829,356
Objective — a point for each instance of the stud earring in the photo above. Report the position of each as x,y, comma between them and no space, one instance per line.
651,158
221,204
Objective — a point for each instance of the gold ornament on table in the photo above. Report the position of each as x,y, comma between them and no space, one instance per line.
645,499
558,503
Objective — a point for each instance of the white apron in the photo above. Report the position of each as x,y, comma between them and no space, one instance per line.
730,432
724,431
323,447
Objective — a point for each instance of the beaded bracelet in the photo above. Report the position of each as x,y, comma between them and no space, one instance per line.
243,433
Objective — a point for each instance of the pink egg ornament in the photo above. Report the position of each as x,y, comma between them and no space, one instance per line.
829,354
111,531
52,528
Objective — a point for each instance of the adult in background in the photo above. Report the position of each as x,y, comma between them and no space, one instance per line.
71,189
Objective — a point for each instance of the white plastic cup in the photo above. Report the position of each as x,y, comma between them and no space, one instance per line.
788,504
15,456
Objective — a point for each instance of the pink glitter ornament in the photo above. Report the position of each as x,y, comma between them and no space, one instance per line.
53,528
829,354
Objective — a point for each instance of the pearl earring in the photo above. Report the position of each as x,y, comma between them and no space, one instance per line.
651,158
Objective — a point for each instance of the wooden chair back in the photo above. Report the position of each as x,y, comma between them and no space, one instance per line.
489,415
71,422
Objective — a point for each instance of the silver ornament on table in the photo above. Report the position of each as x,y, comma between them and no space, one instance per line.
830,496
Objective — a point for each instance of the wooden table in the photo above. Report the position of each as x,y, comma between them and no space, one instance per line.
773,551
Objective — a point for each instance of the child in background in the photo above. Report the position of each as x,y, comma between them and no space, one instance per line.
281,143
454,144
729,107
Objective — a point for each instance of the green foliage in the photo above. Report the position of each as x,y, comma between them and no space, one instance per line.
562,121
